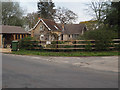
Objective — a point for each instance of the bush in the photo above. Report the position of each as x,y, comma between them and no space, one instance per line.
117,47
57,42
88,47
28,43
102,37
51,46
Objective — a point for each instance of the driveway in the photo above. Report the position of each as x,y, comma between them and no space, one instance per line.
5,50
57,72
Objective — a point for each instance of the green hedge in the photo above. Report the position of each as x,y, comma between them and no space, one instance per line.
102,36
28,43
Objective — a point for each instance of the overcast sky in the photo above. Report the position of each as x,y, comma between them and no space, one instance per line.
77,6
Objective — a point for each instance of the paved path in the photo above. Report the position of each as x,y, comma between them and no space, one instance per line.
5,50
24,71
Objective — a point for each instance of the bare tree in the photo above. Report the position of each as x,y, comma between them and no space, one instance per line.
98,9
65,16
31,19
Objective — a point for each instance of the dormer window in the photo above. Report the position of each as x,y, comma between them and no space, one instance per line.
41,27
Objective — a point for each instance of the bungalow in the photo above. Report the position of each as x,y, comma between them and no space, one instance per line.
49,30
10,33
72,31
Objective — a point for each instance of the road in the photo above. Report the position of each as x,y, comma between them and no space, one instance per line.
26,72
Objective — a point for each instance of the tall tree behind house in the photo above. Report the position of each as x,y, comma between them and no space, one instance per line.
65,16
31,19
46,9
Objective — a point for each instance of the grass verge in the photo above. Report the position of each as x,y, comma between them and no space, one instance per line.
67,54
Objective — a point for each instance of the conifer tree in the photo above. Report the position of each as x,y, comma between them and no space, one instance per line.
46,9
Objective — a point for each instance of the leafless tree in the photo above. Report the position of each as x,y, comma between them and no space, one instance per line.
98,10
65,16
31,19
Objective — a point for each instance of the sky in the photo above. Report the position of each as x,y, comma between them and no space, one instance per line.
77,6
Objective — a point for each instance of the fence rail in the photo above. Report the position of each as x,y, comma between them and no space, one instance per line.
72,40
73,44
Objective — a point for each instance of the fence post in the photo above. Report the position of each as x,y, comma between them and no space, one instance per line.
75,45
40,44
57,45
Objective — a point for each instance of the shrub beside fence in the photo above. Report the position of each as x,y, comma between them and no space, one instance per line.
86,45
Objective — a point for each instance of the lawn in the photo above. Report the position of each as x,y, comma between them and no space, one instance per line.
68,54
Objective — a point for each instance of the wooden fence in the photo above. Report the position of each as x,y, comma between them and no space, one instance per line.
73,44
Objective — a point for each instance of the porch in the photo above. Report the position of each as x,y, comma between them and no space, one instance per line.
8,38
10,33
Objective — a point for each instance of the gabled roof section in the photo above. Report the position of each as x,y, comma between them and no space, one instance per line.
73,28
51,25
5,29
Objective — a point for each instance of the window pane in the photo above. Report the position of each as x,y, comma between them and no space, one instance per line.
16,37
22,36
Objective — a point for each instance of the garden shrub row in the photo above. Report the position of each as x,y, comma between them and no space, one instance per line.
102,39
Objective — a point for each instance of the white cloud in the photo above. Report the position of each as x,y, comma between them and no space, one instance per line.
29,7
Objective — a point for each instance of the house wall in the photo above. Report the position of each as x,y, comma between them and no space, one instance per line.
65,37
48,35
32,33
69,37
37,32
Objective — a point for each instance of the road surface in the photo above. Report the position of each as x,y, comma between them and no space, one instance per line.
26,72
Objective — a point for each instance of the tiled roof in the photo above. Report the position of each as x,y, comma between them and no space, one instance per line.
12,29
52,25
68,28
73,28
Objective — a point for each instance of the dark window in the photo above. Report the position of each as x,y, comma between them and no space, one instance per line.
22,36
69,36
16,37
75,35
62,37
